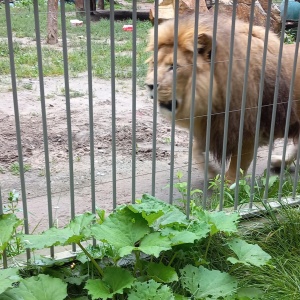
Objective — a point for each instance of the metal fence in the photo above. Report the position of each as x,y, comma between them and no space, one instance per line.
132,149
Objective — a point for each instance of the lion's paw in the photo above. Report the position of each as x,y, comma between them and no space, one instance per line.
276,161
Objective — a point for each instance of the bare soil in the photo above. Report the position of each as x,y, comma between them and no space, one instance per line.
29,105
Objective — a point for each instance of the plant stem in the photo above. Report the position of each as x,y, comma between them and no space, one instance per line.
137,262
100,271
208,244
172,259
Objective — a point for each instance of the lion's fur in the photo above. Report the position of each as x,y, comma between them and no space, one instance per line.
221,67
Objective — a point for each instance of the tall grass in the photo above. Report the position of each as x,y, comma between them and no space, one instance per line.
279,236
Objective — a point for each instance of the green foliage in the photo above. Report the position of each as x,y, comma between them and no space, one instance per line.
150,290
8,225
7,278
41,287
114,281
247,253
290,36
244,190
203,283
139,247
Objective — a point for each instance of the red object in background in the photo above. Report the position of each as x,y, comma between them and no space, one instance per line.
127,27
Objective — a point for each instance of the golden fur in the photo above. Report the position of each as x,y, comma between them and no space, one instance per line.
184,85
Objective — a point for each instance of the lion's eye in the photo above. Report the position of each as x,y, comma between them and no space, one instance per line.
170,68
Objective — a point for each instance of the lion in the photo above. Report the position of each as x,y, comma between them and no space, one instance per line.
184,70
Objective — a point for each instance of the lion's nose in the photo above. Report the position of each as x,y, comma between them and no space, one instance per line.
151,86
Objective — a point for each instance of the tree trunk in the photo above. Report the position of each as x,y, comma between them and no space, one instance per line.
52,27
92,7
101,4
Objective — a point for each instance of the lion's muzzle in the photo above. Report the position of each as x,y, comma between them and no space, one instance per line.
167,105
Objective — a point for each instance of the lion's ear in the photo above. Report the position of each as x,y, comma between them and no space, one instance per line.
205,45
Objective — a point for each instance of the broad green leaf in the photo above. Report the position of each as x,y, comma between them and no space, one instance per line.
122,230
150,208
158,213
248,254
8,277
8,224
74,232
161,273
50,237
200,228
154,243
222,222
80,227
202,283
171,218
150,290
114,281
41,287
179,237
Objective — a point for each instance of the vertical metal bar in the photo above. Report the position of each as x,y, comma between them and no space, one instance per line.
68,109
259,105
134,17
210,95
4,257
91,106
228,96
154,97
289,109
275,101
192,111
17,118
243,107
176,21
44,114
298,152
296,169
113,102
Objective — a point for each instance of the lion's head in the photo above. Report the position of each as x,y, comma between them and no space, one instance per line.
184,67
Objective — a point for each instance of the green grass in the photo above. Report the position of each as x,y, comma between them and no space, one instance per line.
25,54
279,236
15,168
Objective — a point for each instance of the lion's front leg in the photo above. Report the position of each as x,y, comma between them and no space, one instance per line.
246,159
199,157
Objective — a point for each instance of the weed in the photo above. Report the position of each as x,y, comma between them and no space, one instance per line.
28,86
73,93
2,170
15,168
182,187
13,245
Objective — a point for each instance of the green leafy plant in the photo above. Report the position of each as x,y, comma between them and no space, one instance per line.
9,223
15,168
144,250
182,187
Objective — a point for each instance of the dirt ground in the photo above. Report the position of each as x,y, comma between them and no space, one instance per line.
33,147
